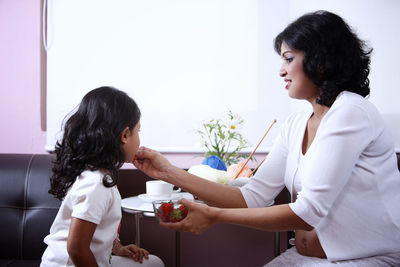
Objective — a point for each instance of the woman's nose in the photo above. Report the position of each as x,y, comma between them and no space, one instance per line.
282,72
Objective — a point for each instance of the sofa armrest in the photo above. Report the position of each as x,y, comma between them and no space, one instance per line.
26,207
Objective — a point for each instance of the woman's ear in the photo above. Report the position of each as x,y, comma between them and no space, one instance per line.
125,134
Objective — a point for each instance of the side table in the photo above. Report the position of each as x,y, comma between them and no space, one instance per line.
138,207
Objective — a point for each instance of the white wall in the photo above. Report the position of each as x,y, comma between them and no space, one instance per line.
187,60
182,61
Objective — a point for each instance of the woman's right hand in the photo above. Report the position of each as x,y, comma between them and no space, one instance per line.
199,218
152,163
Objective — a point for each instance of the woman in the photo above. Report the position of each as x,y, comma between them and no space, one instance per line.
337,159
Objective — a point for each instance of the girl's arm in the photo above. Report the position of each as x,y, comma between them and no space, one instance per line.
130,251
274,218
155,165
78,243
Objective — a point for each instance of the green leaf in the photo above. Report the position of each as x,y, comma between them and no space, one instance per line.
217,137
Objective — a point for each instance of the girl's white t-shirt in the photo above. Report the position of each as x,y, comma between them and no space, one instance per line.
88,199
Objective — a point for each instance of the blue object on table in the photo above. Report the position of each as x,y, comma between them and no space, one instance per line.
215,162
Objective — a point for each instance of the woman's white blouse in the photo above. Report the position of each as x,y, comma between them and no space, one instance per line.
347,185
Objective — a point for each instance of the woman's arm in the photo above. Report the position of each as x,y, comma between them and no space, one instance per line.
274,218
78,243
155,165
213,193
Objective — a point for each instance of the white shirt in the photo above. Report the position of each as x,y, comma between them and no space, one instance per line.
88,199
347,184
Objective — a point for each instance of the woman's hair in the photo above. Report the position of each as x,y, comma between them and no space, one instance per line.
92,138
335,59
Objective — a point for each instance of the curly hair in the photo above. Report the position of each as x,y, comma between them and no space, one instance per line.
335,59
92,138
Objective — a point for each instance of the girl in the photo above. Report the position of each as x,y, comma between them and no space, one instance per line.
98,138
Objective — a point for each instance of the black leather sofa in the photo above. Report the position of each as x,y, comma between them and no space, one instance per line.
26,209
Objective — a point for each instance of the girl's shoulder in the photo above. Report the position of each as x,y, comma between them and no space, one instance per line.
89,199
89,181
89,176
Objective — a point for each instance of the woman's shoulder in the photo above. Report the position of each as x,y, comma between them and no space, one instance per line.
353,100
353,111
350,104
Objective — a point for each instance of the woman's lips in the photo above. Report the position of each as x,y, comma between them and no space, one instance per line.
288,82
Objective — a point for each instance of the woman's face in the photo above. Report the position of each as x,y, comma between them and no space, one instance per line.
131,142
298,84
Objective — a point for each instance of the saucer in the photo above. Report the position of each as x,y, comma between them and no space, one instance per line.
148,198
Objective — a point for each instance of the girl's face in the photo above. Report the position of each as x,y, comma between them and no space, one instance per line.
130,142
298,84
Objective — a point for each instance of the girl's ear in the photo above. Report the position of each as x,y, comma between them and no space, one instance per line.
125,134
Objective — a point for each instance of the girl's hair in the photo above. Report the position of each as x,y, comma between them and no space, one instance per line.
335,59
92,138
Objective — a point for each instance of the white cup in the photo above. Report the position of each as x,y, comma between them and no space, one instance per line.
160,189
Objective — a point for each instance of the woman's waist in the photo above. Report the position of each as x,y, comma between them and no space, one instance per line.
307,244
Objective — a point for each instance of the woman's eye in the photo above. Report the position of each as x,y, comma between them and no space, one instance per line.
289,59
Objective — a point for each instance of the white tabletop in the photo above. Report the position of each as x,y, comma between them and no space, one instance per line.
138,204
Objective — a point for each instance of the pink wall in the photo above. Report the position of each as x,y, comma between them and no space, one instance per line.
20,76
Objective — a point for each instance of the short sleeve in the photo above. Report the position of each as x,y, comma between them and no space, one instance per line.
90,200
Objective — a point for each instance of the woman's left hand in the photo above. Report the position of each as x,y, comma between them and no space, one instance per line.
199,218
133,252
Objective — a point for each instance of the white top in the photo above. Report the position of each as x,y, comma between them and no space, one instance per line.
347,184
88,199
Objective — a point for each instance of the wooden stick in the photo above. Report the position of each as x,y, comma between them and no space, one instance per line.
252,153
258,166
